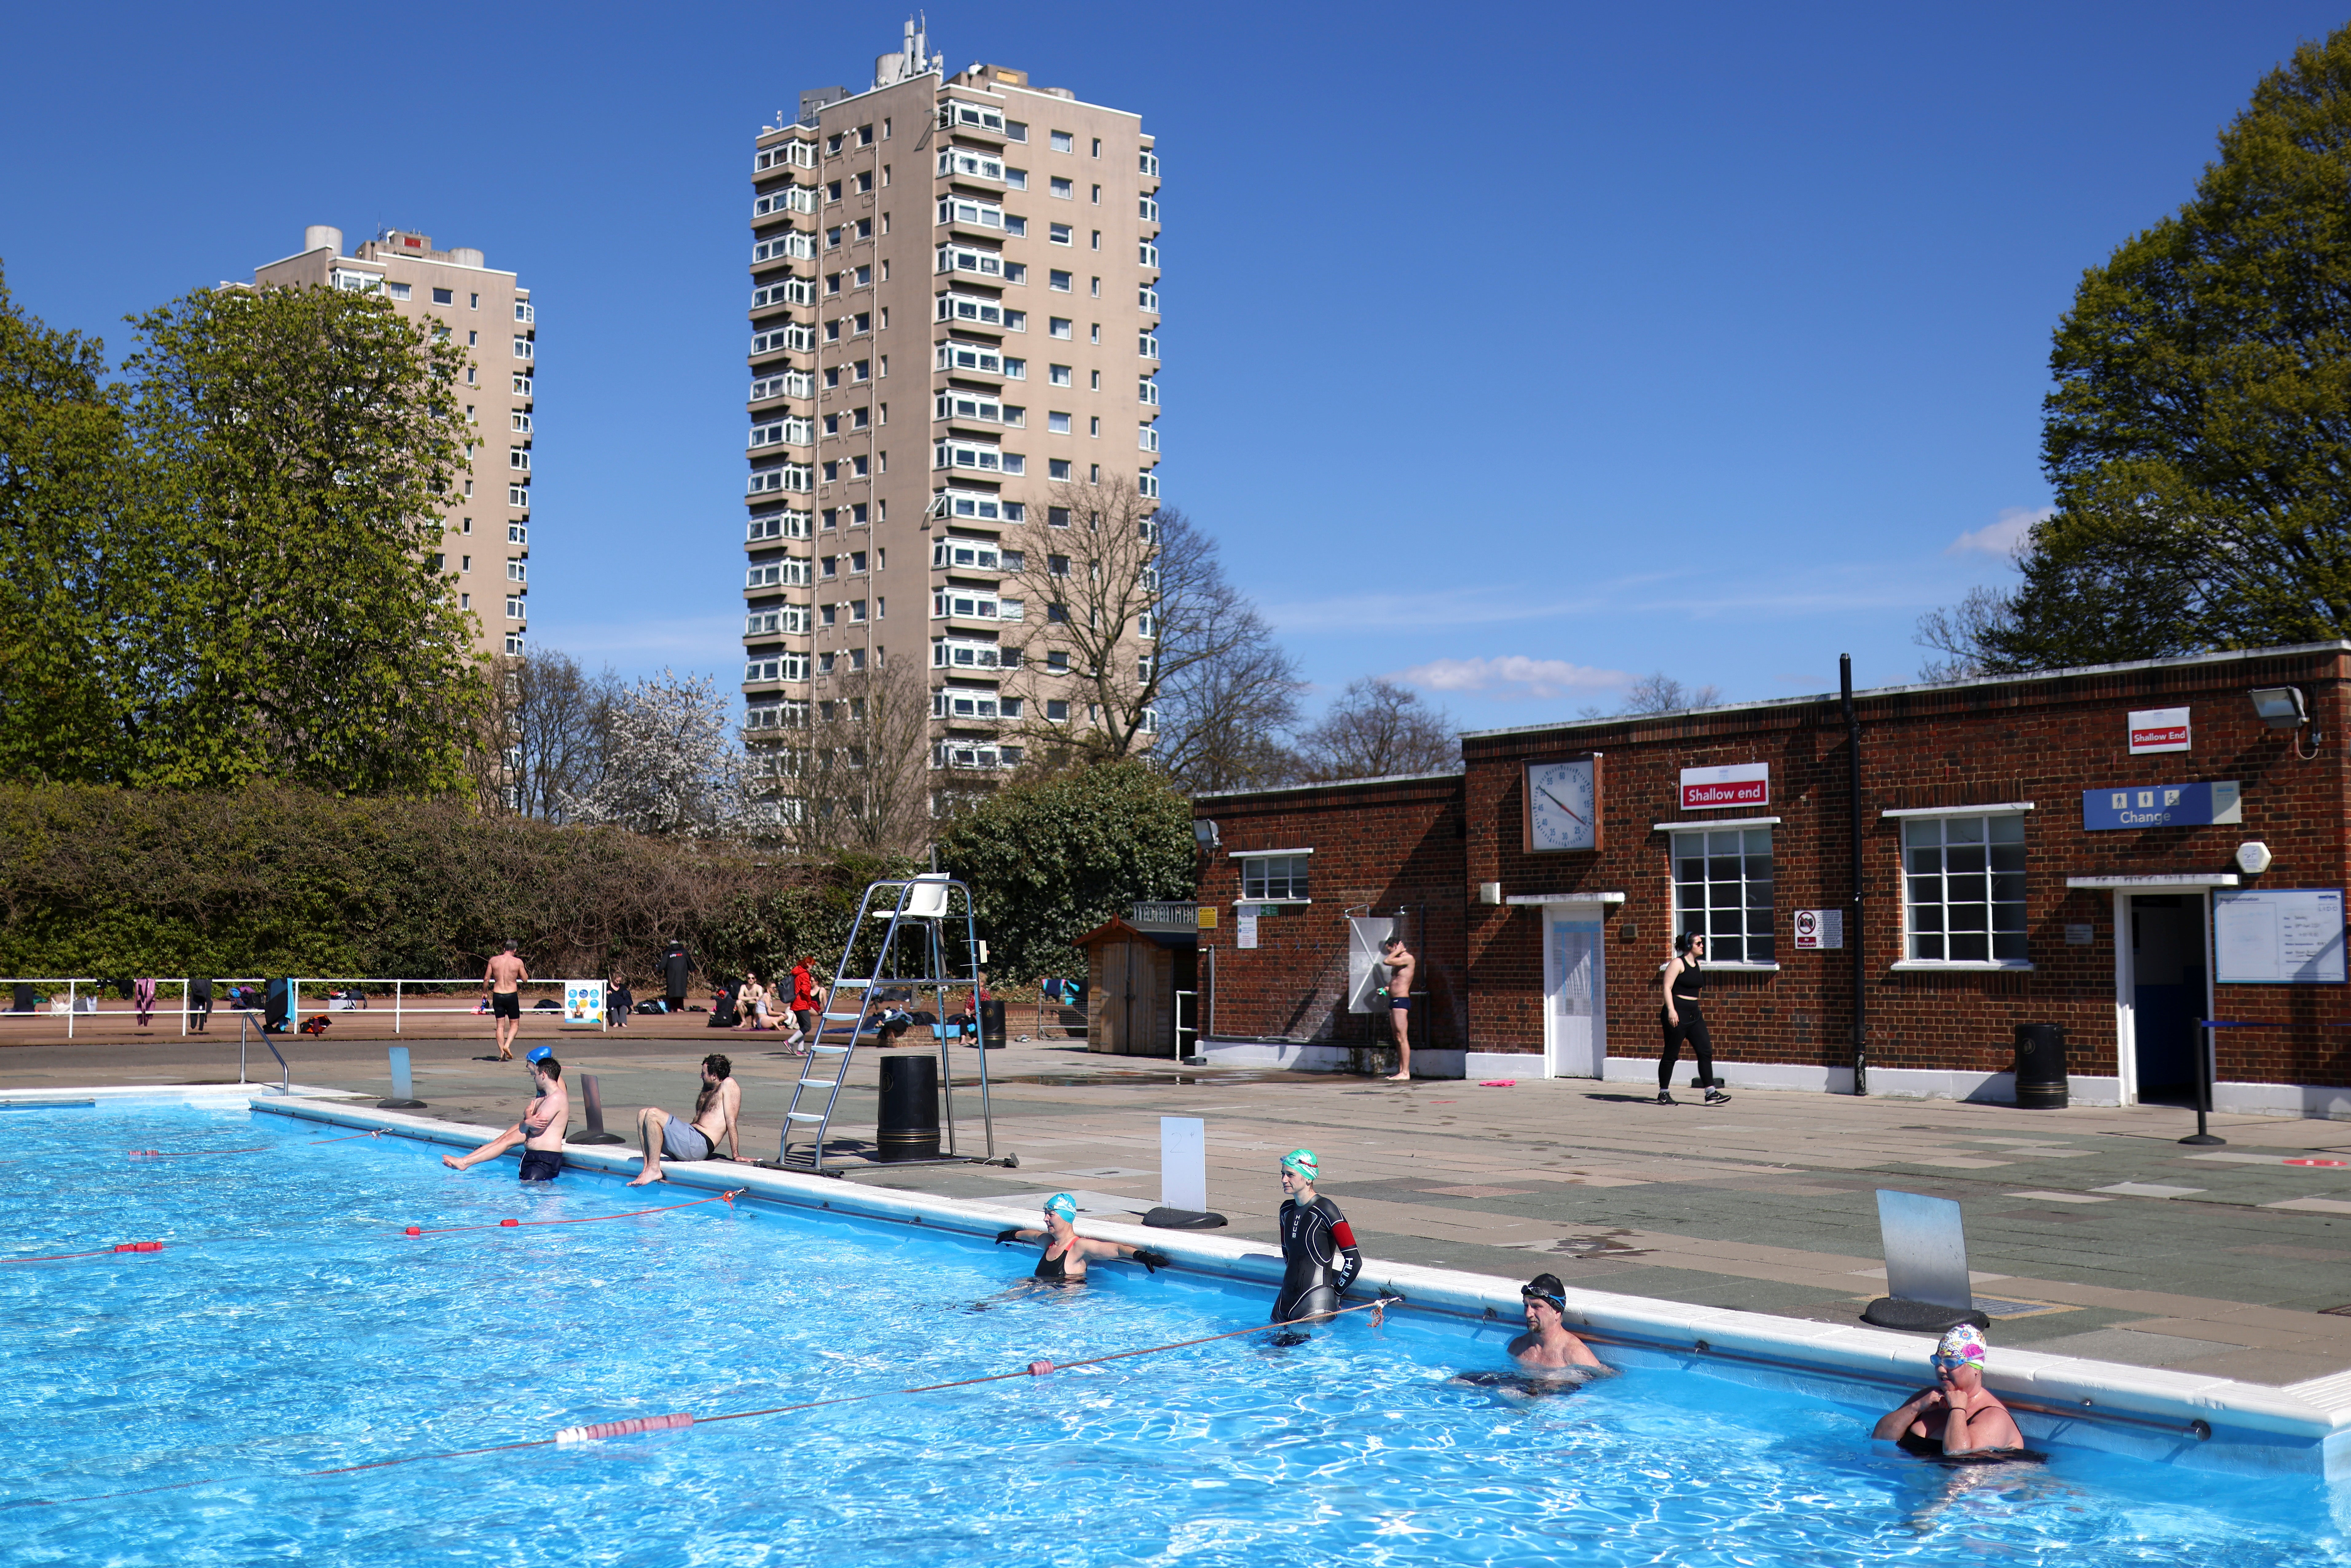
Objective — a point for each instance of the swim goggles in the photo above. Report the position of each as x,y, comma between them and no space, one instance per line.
1557,1304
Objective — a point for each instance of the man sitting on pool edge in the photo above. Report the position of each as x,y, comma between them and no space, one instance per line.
540,1129
658,1133
1958,1417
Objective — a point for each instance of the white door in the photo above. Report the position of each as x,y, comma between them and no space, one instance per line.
1575,993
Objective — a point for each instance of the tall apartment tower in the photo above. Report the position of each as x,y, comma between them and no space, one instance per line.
953,310
485,533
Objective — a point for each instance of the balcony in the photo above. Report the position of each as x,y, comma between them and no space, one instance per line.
784,199
968,359
968,213
970,163
959,404
789,246
1147,345
973,310
963,118
795,432
977,506
785,525
972,555
969,259
979,456
795,153
1147,254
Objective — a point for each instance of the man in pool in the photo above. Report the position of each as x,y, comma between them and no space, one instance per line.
502,978
540,1129
1547,1344
1959,1417
1063,1261
658,1133
1319,1259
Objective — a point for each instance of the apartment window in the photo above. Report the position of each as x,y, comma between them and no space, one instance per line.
516,495
1061,188
826,614
1058,375
473,302
1097,146
514,644
1016,131
1095,381
865,183
1057,423
1058,661
865,228
447,297
1270,878
1097,289
832,144
1016,370
465,601
516,571
1017,178
469,376
1060,233
1097,195
865,136
400,291
1963,889
1093,426
1064,141
515,611
1056,712
1098,239
1058,325
831,239
1096,335
473,339
1058,281
521,385
522,348
1722,886
1058,516
1056,468
1146,391
1093,472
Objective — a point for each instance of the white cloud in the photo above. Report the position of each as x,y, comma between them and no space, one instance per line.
1514,675
2002,536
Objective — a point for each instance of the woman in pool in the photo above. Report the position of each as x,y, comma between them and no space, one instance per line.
1959,1417
1064,1259
1319,1259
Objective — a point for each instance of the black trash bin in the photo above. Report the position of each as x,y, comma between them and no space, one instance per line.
2040,1066
991,1026
909,1121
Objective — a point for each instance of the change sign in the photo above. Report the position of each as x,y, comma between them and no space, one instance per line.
2160,806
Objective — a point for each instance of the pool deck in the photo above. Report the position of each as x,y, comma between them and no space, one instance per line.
2095,1235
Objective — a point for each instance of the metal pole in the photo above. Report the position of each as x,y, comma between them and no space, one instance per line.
2205,1048
395,1007
241,1019
183,1006
72,1006
1854,928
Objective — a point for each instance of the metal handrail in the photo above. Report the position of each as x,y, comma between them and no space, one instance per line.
294,984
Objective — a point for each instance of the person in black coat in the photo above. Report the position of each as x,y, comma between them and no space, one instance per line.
675,966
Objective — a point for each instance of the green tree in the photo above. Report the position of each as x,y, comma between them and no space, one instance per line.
298,442
2200,434
1049,858
79,584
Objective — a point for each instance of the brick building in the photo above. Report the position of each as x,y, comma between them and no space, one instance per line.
2010,827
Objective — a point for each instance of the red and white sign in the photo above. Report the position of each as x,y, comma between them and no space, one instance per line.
2158,729
1713,789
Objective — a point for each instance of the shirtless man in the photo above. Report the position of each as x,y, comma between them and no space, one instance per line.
540,1129
502,978
1402,967
1958,1416
658,1133
1547,1342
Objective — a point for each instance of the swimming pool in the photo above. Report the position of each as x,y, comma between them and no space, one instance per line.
290,1327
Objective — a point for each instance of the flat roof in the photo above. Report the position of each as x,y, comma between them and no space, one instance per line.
1329,784
1764,705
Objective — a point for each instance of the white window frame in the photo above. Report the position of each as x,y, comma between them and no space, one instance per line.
2009,811
955,306
1301,872
954,554
962,402
962,603
958,358
1682,914
953,258
971,164
964,653
962,451
971,210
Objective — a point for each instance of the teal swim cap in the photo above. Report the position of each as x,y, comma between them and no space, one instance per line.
1303,1163
1062,1205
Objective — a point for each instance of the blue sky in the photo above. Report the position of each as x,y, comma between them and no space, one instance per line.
1511,349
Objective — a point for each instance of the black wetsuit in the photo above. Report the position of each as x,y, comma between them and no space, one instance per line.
1319,1257
1692,1028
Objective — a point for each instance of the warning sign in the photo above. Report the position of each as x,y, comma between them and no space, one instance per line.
1819,928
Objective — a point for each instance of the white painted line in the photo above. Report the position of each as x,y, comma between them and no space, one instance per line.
2059,1196
2147,1190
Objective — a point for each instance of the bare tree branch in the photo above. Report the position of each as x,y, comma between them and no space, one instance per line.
1377,729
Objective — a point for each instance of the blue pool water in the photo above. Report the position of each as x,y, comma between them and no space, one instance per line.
290,1327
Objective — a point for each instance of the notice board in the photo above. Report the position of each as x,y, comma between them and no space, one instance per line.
2282,936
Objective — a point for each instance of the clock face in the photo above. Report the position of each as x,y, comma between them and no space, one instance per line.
1563,805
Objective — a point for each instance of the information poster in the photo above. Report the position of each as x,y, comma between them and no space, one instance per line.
1817,929
583,1004
1245,927
2282,936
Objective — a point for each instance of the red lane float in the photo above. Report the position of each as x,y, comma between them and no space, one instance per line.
101,1252
630,1427
726,1197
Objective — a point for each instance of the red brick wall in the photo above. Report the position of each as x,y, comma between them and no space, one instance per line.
2043,740
1389,847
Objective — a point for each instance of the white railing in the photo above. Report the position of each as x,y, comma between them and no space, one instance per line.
86,987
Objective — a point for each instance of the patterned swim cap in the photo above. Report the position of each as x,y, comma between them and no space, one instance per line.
1062,1205
1963,1343
1302,1162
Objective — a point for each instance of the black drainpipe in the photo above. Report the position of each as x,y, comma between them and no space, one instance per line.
1853,920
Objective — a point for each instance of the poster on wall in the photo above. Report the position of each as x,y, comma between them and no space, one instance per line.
583,1004
1819,928
1245,927
1720,788
2278,936
2158,730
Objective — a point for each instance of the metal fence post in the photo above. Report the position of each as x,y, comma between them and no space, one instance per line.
69,1009
395,1007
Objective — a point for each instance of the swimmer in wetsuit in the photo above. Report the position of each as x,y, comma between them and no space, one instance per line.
1064,1259
1319,1259
1958,1418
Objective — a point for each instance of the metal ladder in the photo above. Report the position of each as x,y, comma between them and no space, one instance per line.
917,907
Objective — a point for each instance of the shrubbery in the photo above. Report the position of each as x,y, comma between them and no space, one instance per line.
276,880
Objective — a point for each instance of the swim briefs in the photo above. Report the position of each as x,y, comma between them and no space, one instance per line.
505,1004
1399,1003
541,1165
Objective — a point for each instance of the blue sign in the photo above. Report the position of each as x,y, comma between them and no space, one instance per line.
2160,806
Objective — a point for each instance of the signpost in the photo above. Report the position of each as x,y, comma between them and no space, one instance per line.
2113,809
2158,729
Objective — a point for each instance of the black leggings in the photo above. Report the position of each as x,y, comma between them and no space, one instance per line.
1692,1028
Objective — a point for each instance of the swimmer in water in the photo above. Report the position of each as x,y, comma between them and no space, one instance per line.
1064,1259
1319,1255
1959,1417
539,1129
1547,1344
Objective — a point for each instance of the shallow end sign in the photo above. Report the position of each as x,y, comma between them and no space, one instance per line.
2158,729
1713,789
2161,806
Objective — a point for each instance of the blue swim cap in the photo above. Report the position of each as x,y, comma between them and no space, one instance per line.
1303,1163
539,1053
1062,1205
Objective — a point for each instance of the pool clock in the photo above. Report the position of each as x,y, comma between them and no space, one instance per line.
1563,804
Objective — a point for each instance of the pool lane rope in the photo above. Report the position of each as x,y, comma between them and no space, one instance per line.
257,1149
569,1435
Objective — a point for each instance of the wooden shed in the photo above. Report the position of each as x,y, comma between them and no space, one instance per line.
1131,982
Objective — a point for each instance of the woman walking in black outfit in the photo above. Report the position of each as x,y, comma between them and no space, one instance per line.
1684,1019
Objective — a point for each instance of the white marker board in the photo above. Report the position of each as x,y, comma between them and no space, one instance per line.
2282,936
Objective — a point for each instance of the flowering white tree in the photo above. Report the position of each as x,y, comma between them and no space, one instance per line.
670,766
